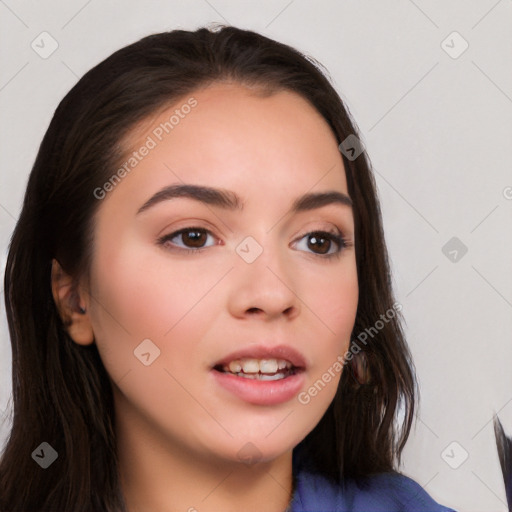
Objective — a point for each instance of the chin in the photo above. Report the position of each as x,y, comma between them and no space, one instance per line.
258,449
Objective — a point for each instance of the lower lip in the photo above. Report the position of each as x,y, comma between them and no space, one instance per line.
261,392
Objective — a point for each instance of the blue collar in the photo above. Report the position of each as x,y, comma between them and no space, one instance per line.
383,492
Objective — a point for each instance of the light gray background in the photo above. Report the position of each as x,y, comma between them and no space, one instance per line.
438,131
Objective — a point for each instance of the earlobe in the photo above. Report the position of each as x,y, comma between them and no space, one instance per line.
72,306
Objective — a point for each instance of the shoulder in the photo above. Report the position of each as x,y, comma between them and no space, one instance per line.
384,492
397,491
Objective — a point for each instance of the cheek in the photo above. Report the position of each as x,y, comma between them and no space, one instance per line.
137,296
143,299
333,298
333,303
142,290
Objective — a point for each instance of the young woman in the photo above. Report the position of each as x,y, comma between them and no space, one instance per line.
199,298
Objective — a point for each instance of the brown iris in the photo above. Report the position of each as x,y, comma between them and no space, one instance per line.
195,237
319,242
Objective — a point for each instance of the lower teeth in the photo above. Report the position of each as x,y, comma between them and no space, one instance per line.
260,376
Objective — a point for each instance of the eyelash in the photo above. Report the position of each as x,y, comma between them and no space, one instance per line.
338,239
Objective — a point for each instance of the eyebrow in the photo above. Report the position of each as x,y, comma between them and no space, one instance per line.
228,200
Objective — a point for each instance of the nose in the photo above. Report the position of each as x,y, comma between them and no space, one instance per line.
264,288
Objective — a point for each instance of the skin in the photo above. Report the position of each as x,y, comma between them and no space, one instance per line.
179,433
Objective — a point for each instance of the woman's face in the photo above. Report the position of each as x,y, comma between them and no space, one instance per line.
187,285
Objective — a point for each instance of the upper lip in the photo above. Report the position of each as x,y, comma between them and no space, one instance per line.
285,352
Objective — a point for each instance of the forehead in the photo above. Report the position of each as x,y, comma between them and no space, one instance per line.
236,138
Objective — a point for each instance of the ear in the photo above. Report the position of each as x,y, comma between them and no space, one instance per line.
73,306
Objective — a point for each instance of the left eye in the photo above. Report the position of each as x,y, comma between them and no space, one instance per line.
191,238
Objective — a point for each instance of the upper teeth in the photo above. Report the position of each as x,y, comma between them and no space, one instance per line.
257,365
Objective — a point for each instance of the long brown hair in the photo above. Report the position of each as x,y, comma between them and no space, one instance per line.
61,391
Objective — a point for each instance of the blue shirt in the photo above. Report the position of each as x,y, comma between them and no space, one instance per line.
384,492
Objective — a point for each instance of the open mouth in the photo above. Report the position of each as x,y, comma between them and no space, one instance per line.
259,369
261,375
